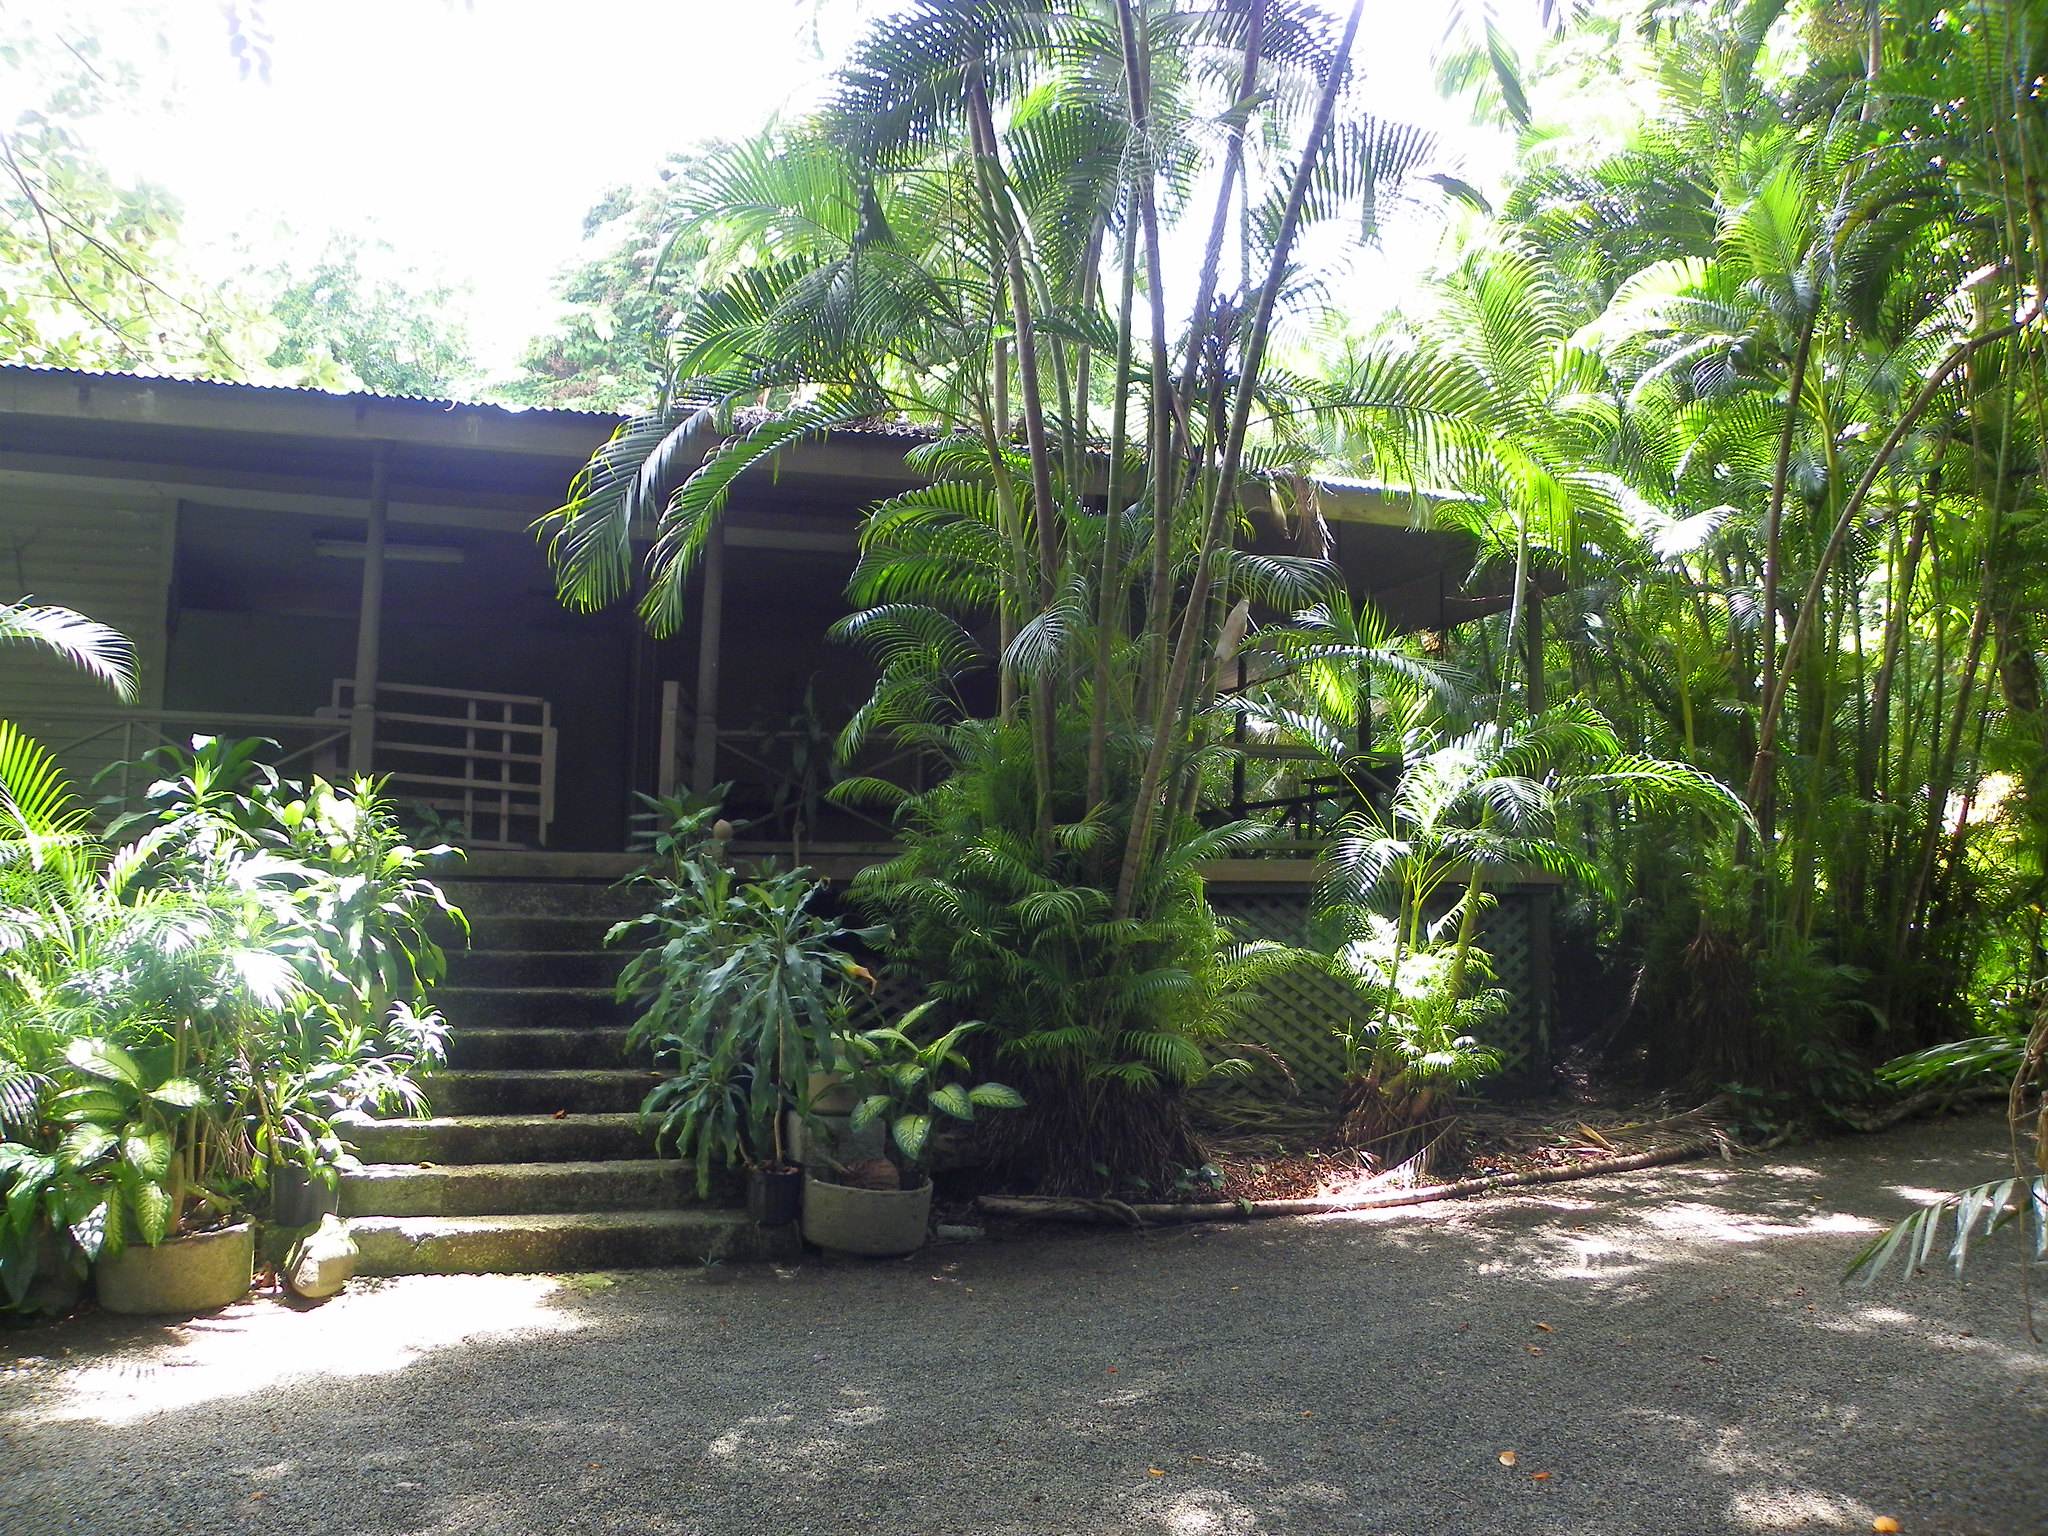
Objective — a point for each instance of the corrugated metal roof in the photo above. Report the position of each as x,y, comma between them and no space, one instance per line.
90,374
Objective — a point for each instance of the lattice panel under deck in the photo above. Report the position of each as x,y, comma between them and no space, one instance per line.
1301,1011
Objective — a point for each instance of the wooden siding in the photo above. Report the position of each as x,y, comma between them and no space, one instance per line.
109,558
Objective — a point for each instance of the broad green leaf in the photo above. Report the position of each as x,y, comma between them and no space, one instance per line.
868,1111
953,1100
996,1096
151,1203
103,1058
911,1133
84,1143
148,1155
180,1093
101,1106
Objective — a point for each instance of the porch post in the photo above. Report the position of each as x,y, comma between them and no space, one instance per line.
362,720
710,624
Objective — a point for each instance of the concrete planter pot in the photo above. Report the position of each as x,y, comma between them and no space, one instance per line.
830,1093
875,1223
181,1274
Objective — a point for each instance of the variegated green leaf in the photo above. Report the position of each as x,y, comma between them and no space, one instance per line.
84,1143
148,1155
103,1058
912,1132
953,1100
868,1111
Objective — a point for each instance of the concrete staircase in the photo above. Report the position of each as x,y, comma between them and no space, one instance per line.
534,1159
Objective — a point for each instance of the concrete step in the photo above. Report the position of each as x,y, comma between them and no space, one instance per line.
531,1007
531,933
518,1189
545,898
471,1050
500,1139
534,967
538,1244
579,1090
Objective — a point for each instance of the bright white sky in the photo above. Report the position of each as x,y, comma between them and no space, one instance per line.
473,135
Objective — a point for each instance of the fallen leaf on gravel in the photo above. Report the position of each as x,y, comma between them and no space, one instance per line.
1884,1523
1537,1477
1535,1349
1308,1413
1155,1472
1508,1458
1112,1370
561,1114
1546,1327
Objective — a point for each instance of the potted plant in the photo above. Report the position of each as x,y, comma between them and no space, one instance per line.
315,1073
903,1086
152,1146
188,1011
742,990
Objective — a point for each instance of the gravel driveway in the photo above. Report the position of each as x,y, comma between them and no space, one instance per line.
1664,1352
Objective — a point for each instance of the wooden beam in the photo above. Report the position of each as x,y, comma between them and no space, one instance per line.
710,627
667,743
362,727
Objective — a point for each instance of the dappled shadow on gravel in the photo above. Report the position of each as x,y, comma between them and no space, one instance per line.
1670,1348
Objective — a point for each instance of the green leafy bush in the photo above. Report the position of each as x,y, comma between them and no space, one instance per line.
201,994
742,986
903,1085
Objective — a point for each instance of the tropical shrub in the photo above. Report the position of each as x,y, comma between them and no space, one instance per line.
742,986
903,1084
970,238
1104,1021
1416,1045
1405,871
197,997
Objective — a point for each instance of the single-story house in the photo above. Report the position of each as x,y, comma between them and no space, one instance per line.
274,553
263,546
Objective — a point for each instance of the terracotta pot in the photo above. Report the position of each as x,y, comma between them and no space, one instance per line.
181,1274
877,1223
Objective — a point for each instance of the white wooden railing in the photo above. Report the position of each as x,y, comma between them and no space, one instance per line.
488,758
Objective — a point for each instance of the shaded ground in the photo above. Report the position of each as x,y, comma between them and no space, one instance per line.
1700,1372
1295,1155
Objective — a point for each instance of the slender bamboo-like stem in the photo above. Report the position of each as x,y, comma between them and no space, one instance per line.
1774,702
1111,596
1223,492
1137,76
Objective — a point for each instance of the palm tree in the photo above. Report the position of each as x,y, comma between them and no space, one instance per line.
1406,872
974,236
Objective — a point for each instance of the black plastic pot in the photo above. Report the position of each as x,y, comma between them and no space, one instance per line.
774,1195
298,1199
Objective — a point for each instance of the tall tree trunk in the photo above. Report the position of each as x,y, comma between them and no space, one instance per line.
1223,493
